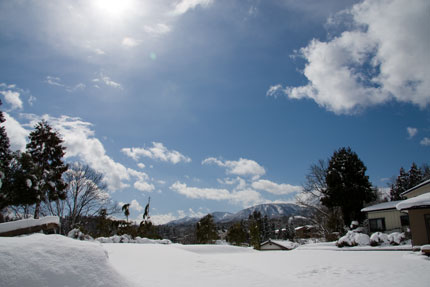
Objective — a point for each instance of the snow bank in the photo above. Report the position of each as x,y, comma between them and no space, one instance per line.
26,223
353,239
55,260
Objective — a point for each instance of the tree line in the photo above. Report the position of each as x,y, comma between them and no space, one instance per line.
38,182
337,189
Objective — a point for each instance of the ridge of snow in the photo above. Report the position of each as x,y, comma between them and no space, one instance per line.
29,222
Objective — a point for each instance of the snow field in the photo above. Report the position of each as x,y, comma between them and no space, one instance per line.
57,261
212,265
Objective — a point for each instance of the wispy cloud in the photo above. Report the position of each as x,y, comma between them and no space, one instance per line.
107,81
57,81
369,64
245,197
130,42
275,188
411,132
185,5
157,151
158,29
425,141
242,167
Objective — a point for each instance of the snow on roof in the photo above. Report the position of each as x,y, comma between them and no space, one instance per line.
25,223
382,206
418,201
285,244
417,186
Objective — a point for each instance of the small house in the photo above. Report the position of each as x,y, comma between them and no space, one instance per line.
385,217
419,189
418,208
277,245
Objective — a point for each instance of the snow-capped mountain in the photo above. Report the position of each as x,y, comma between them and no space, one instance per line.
272,210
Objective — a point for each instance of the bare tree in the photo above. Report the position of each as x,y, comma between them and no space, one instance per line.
86,194
327,220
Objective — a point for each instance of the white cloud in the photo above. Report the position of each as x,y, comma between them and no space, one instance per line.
158,29
200,193
245,197
141,165
411,132
143,186
130,42
278,189
384,57
107,81
54,81
12,98
425,141
157,151
241,167
165,218
81,143
135,205
159,219
16,132
185,5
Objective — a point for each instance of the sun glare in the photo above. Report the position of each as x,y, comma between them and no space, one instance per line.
113,8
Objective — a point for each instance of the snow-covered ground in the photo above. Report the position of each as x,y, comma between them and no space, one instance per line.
52,260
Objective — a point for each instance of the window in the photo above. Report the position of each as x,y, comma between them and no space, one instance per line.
377,224
404,220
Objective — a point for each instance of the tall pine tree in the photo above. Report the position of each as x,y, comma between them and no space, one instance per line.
46,151
401,185
348,186
5,159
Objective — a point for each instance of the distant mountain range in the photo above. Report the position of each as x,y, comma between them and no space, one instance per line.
272,210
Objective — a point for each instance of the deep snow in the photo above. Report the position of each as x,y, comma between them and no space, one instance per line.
53,260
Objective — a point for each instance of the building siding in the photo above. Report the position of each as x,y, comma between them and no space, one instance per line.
392,218
419,230
418,191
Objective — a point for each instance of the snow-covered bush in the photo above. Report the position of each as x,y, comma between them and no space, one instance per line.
396,238
353,239
379,238
77,234
125,238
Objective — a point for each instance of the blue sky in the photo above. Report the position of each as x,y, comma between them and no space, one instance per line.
216,105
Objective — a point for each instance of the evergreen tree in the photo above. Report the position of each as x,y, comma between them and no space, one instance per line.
46,151
407,180
415,176
5,159
400,186
255,229
206,231
237,234
348,186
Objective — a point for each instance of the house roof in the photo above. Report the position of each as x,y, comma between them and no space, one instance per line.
382,206
417,186
422,200
286,245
